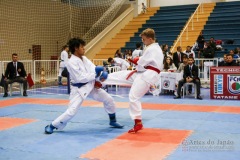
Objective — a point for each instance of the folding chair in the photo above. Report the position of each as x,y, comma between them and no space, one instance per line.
186,85
20,87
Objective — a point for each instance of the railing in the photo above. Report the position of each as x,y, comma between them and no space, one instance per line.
50,70
200,63
99,62
185,30
50,67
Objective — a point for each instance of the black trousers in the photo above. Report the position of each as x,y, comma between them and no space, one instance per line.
17,79
183,81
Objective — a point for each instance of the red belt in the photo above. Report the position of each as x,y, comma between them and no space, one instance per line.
153,68
147,67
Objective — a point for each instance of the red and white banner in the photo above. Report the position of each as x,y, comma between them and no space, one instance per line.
225,83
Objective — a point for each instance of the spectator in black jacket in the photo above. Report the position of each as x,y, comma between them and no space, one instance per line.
208,53
200,41
212,43
178,56
230,61
224,61
15,72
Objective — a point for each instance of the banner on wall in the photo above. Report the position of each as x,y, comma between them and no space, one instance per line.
225,83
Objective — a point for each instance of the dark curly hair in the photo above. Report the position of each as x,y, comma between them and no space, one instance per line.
75,43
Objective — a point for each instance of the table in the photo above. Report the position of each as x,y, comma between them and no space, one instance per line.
168,80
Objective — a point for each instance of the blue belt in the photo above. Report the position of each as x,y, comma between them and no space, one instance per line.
78,84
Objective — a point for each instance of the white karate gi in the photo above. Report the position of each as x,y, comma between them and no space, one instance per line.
142,80
63,63
152,56
121,63
82,71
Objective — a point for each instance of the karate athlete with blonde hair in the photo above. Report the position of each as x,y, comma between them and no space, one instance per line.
148,67
86,81
145,76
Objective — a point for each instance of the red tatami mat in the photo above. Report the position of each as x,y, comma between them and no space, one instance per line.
148,144
7,122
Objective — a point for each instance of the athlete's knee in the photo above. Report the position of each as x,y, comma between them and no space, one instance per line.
132,98
71,112
108,101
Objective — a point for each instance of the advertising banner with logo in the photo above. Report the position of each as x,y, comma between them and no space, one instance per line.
168,80
225,83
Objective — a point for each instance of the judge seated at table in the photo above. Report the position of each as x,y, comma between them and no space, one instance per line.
169,66
190,75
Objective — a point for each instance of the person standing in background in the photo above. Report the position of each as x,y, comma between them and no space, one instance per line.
144,8
137,52
178,56
63,63
200,41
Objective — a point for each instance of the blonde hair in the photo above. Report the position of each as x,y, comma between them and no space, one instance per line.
149,33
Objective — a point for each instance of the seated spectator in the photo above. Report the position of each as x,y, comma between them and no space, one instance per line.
122,63
125,53
190,74
231,52
230,61
129,54
222,63
183,64
208,51
219,45
236,53
189,52
165,50
169,65
15,72
212,43
170,54
118,54
178,56
233,55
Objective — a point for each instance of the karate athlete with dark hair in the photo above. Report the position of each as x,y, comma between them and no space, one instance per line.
145,76
86,81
